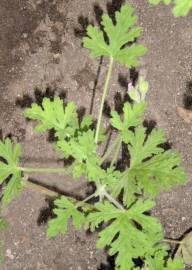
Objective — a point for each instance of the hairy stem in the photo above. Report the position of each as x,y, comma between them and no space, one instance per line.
105,91
112,200
172,241
80,203
44,170
46,191
40,189
116,152
110,149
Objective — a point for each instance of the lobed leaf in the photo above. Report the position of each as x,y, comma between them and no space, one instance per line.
151,168
119,34
124,239
53,115
84,150
66,210
9,168
131,118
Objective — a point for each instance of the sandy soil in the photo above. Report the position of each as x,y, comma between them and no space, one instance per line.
41,55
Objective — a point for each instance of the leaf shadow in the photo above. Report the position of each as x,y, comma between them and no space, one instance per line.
46,212
109,265
37,97
187,98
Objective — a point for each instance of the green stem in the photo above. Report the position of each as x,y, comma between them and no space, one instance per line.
40,189
80,203
116,152
172,241
43,170
51,193
112,200
110,149
105,90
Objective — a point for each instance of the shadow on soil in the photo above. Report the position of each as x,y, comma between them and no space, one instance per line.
110,265
187,98
27,100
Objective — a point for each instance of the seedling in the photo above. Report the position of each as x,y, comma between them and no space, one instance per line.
123,198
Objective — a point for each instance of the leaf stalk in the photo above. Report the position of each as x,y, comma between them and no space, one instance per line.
105,91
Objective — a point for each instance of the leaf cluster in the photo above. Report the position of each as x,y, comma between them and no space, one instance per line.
129,233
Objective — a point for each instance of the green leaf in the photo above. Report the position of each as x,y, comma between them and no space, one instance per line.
124,239
140,148
182,7
84,150
143,87
151,168
66,210
119,34
3,224
9,168
131,118
86,122
52,115
159,261
13,188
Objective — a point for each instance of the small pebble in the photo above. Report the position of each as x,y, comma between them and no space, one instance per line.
91,85
9,254
25,35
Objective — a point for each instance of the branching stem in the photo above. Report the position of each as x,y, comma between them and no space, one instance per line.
105,91
112,200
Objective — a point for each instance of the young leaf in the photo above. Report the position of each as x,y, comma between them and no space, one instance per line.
66,210
84,150
122,236
9,168
52,115
119,34
131,118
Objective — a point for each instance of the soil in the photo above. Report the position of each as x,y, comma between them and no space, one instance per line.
41,55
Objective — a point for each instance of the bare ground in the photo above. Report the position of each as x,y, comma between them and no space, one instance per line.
41,55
